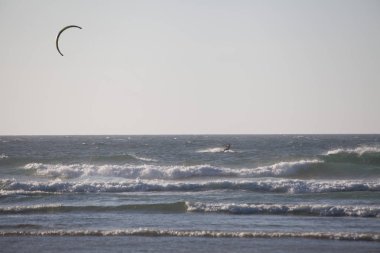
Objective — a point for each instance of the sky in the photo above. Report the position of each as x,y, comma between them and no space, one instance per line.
190,67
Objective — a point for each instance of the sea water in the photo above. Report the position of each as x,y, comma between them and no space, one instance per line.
267,193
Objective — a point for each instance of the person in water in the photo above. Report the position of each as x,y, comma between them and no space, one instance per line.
227,147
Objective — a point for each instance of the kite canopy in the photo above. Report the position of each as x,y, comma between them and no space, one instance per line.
59,34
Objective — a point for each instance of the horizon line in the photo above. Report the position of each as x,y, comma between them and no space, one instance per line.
187,134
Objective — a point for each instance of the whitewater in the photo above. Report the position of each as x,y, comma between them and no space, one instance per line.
277,191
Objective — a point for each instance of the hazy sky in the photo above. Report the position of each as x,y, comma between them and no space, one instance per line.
190,67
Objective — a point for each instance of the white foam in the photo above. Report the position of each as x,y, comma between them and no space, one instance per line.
3,156
126,171
284,209
200,233
11,209
232,208
145,159
358,151
284,168
266,185
165,172
214,150
20,192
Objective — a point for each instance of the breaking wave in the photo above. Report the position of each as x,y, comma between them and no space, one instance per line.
165,172
358,151
359,155
264,185
227,208
360,162
288,209
3,156
215,150
201,233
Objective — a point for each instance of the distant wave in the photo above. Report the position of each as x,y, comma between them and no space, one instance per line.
359,155
265,185
145,159
119,159
358,151
288,209
165,172
201,233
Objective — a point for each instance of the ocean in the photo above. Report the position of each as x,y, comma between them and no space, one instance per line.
186,193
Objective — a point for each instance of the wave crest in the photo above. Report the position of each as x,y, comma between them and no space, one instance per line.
266,185
227,208
361,155
215,150
201,233
165,172
278,209
358,151
3,156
